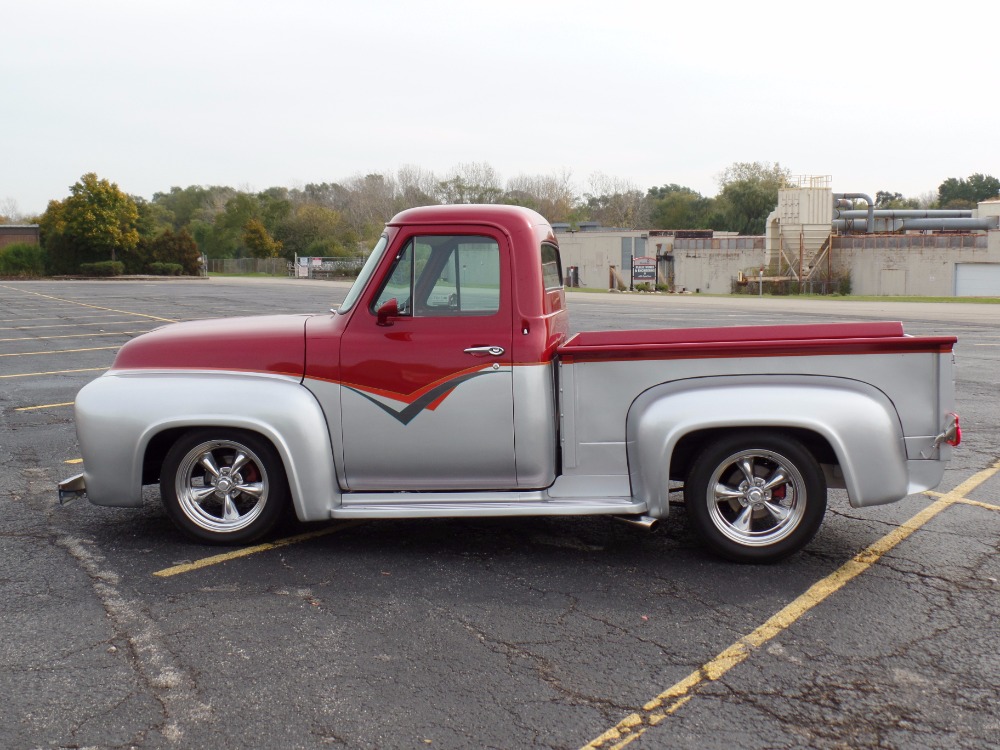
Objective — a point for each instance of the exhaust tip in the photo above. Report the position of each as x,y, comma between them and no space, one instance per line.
644,522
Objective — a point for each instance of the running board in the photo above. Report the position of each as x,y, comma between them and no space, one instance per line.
440,506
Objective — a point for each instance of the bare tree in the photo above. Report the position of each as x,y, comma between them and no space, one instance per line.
553,196
615,202
472,182
371,201
415,186
9,212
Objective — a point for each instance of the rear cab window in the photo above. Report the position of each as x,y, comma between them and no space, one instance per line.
551,267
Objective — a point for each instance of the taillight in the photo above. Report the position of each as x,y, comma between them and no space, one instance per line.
954,431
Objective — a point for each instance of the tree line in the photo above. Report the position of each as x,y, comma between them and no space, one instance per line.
100,224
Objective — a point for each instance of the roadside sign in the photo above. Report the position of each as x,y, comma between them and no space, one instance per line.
643,269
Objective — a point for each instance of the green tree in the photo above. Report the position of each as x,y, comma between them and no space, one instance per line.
224,236
310,223
749,192
97,222
258,241
176,247
101,217
184,204
22,259
676,207
967,193
886,199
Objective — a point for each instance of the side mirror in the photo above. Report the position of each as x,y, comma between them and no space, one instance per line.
388,309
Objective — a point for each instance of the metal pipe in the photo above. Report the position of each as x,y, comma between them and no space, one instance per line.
902,225
987,223
868,199
906,213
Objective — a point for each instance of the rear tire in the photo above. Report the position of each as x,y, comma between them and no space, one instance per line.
756,496
223,486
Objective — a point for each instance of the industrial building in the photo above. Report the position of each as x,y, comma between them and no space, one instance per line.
15,233
814,239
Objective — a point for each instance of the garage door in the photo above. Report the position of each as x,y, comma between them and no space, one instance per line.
977,279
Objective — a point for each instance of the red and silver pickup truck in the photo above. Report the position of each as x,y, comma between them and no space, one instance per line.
447,384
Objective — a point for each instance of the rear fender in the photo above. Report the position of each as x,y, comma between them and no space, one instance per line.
858,421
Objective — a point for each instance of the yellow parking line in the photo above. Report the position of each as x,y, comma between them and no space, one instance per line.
43,406
95,307
671,699
73,461
53,372
967,501
977,504
61,351
74,336
69,324
33,320
246,551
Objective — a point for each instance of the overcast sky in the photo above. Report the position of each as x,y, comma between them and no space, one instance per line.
880,95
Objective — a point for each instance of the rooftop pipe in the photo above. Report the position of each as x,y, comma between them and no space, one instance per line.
871,206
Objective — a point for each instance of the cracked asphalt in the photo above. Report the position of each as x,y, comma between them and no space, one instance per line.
478,633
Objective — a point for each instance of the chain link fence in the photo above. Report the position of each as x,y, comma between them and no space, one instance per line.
246,266
327,268
781,287
301,267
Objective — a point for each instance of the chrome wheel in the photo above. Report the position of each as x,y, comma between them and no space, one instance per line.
757,497
221,486
224,486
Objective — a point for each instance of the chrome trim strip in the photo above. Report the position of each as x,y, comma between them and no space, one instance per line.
439,506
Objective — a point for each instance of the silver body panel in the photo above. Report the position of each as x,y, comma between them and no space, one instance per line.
535,421
117,416
617,425
889,406
857,421
465,443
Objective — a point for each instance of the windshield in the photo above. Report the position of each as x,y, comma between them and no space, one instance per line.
366,272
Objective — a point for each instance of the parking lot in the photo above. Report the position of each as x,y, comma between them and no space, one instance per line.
481,633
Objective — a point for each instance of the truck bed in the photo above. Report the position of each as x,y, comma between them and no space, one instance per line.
749,341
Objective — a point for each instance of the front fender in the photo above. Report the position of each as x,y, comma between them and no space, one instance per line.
119,414
857,420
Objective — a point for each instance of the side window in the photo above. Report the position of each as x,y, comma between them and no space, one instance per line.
551,267
445,275
400,282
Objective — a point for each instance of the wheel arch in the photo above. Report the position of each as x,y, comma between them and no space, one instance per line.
692,443
841,422
126,425
296,451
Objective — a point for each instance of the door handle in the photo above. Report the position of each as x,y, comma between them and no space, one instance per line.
482,351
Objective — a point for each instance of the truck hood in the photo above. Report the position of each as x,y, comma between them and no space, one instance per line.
267,344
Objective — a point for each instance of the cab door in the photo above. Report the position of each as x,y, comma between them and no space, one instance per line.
426,369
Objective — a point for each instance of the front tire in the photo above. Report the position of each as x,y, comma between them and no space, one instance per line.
223,486
756,496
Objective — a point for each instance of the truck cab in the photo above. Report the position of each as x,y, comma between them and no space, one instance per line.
442,352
